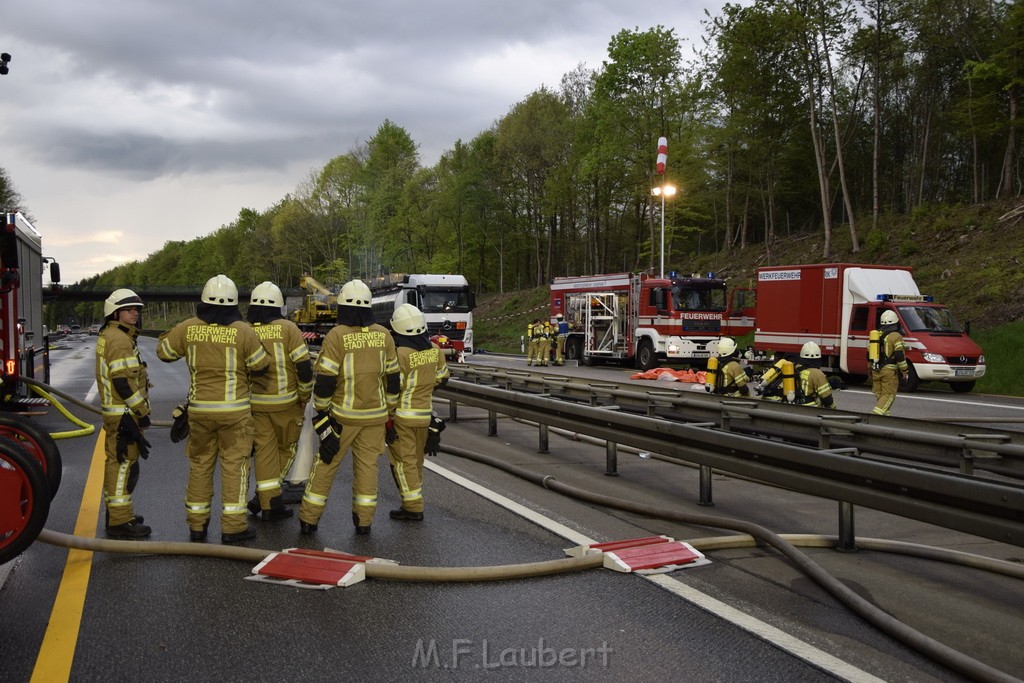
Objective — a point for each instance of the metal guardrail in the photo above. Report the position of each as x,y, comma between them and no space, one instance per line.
970,504
968,448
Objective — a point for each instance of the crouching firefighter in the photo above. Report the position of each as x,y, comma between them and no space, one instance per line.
813,388
423,367
725,376
123,385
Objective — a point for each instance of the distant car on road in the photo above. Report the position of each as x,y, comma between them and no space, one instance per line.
63,329
76,329
94,328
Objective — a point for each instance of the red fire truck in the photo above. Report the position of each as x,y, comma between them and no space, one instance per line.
639,318
836,305
30,467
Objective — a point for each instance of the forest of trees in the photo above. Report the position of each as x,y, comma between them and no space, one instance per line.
792,116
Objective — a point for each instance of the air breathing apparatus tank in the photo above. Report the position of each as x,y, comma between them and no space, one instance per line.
783,371
875,349
711,376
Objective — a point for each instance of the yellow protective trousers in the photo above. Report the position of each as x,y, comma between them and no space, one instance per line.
118,481
227,439
406,459
885,382
367,444
274,441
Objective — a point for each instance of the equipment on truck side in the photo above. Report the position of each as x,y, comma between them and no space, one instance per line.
640,318
837,305
446,301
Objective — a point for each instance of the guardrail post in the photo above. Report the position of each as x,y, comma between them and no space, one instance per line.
492,423
705,487
611,458
847,541
542,437
453,410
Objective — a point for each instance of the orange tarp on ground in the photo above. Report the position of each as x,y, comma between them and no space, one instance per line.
670,375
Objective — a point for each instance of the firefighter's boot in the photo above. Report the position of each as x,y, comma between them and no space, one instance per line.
198,535
239,536
277,510
402,513
133,530
360,530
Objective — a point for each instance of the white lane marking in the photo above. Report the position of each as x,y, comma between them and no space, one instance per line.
93,392
767,632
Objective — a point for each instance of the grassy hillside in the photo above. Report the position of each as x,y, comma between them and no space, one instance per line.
969,257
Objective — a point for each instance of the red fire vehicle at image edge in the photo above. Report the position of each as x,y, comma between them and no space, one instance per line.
639,318
30,467
837,305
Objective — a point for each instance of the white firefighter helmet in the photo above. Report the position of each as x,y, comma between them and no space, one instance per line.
220,291
121,298
559,316
408,320
889,317
355,293
726,347
266,294
810,350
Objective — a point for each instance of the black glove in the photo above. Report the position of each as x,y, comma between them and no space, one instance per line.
179,430
433,443
390,433
128,432
328,430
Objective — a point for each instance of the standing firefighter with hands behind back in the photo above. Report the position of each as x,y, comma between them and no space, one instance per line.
123,385
222,353
278,399
423,366
356,386
888,362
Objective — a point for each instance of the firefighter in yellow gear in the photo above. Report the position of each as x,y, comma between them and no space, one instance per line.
223,355
123,385
356,387
279,398
422,367
532,340
813,387
730,379
542,335
890,365
561,331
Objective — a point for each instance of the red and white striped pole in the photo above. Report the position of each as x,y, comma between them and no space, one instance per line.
662,160
662,155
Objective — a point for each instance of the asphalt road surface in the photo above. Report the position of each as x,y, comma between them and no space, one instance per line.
746,615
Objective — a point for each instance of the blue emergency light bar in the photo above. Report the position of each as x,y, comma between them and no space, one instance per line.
905,297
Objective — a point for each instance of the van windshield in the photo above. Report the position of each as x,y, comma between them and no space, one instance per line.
929,319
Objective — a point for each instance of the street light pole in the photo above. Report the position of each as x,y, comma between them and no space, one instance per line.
663,191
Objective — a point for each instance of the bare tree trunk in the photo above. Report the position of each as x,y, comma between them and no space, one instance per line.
819,160
1006,183
847,201
744,226
924,155
728,202
876,104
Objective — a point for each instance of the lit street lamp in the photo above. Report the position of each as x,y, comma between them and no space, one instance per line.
663,191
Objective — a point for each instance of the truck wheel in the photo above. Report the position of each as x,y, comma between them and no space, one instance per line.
574,349
645,356
855,380
38,443
912,382
25,500
962,387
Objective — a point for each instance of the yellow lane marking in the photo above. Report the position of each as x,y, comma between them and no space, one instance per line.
58,649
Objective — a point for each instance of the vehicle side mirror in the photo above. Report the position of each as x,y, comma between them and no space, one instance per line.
967,327
54,272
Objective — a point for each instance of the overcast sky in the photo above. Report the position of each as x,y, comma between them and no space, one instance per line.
128,123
